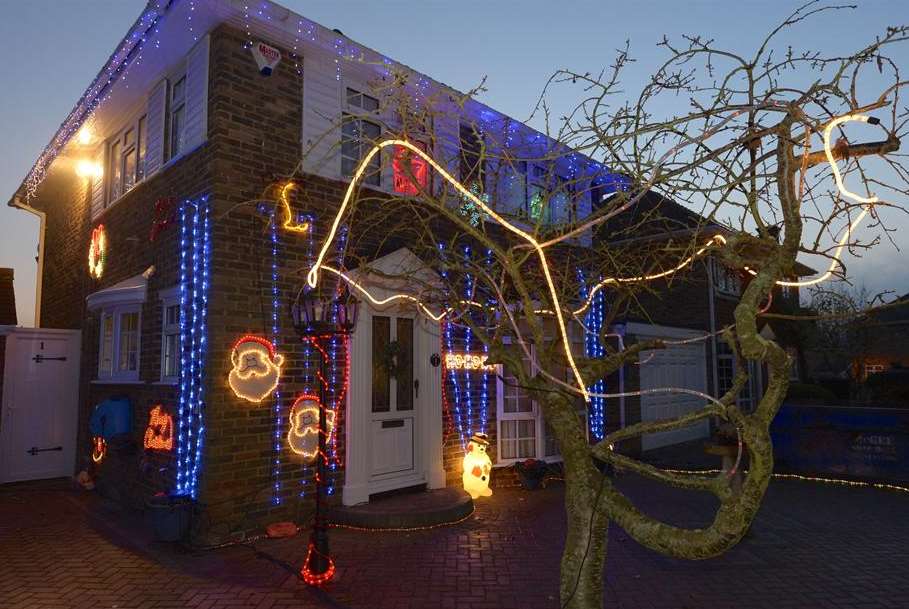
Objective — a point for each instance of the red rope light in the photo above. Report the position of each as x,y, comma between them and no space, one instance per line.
317,579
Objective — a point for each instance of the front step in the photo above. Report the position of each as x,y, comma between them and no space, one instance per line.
406,511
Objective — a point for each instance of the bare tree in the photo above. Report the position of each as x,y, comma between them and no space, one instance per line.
748,152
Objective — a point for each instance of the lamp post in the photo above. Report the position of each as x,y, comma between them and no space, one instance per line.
316,319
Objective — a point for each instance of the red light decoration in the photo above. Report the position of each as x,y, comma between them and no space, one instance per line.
256,368
409,181
99,449
303,436
159,435
97,252
165,215
316,579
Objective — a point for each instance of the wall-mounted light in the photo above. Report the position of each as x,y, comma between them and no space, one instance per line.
86,168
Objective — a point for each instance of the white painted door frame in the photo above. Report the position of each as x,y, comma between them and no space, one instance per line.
39,388
359,483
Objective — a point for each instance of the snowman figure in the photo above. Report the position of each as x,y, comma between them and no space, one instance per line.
477,467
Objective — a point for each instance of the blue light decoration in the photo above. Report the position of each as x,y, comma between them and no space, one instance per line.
195,255
452,374
275,336
468,335
593,348
337,393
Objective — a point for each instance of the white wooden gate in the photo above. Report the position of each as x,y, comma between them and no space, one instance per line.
40,404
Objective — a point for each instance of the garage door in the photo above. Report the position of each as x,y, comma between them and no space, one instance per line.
675,366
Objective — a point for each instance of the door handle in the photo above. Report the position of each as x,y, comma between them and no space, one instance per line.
34,450
416,388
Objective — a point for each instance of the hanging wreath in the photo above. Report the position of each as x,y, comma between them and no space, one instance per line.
97,252
394,359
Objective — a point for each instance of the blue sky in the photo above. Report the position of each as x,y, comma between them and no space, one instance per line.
52,49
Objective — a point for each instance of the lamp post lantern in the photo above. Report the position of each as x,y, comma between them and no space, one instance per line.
316,319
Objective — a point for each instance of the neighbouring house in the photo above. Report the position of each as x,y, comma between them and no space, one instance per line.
7,315
156,250
886,333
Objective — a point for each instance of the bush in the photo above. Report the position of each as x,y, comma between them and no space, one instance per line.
807,391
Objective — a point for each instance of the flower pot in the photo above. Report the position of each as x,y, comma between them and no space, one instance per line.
169,517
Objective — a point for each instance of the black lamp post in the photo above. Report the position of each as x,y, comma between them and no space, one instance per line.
316,319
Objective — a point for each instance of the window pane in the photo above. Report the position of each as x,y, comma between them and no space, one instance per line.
171,343
129,169
142,145
129,138
107,345
405,389
128,360
115,171
179,92
381,385
370,104
177,127
172,315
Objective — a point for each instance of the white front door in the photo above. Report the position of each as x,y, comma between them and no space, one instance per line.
40,404
394,404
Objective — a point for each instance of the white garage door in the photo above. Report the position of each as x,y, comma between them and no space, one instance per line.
675,366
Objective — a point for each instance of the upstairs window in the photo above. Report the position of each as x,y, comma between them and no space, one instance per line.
359,135
178,118
473,165
726,281
127,158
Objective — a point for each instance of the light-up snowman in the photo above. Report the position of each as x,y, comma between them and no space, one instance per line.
477,467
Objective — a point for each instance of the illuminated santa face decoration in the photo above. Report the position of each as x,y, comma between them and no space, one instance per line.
256,368
477,467
303,437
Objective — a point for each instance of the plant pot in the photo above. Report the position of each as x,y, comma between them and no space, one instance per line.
169,517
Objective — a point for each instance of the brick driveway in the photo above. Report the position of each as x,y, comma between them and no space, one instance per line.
812,546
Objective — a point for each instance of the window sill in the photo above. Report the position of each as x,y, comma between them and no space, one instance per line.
117,382
165,382
510,462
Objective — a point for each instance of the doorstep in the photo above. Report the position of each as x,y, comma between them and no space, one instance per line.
414,510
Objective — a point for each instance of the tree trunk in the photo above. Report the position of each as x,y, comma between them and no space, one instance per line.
584,556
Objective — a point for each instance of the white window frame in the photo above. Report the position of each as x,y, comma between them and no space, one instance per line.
176,142
116,313
169,298
360,115
746,402
535,415
134,125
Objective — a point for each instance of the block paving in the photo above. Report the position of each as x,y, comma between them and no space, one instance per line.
812,546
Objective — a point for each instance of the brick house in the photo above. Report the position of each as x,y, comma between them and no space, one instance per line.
161,172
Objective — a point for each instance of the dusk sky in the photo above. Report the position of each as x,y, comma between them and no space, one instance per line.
52,49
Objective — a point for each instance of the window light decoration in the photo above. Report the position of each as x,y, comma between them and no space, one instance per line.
159,434
477,467
303,436
275,332
195,255
594,348
97,252
99,449
256,368
410,173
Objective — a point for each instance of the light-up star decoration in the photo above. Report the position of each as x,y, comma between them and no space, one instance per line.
312,277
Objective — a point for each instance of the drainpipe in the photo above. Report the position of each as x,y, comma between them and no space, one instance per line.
711,298
42,227
618,331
